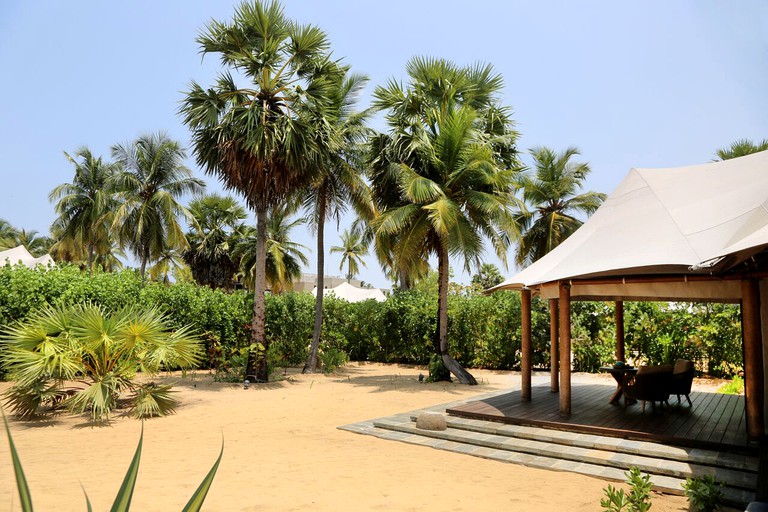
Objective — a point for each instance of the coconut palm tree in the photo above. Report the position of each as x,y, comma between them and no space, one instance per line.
85,206
36,244
212,240
339,181
261,139
450,159
8,235
285,257
168,261
149,185
551,193
741,147
352,250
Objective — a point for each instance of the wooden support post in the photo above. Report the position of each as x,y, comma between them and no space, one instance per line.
525,359
620,356
753,358
565,349
554,344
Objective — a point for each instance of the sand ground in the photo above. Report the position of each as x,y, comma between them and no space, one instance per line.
283,452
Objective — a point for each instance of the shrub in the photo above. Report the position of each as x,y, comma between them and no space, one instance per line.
703,493
638,499
735,387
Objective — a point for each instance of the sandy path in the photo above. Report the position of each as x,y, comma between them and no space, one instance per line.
284,452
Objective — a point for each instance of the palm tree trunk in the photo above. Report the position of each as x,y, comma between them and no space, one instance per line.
257,355
90,258
442,319
405,283
311,365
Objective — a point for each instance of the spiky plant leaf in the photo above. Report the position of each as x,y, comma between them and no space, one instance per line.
195,503
151,400
25,497
122,501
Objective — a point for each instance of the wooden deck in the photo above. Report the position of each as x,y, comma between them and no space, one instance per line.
714,421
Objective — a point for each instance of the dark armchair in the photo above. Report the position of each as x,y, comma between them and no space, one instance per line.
650,384
682,378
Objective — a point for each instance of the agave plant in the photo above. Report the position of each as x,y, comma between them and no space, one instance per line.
86,359
124,496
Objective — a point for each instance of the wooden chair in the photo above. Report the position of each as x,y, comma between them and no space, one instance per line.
650,384
682,379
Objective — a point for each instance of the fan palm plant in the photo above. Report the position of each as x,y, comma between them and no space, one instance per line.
86,360
8,235
261,139
741,147
85,206
554,203
445,178
212,240
151,181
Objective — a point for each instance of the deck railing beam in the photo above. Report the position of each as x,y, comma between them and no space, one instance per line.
565,349
554,347
525,359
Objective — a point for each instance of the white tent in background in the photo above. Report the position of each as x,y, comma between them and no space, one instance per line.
353,294
21,254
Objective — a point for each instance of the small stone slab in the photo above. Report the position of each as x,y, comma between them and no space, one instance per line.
431,421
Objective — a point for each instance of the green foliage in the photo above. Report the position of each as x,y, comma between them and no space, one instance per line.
735,387
638,499
593,335
703,493
332,358
487,276
102,350
437,370
124,496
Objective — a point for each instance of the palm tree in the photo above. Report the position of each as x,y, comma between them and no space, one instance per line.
85,206
36,244
339,182
451,162
151,180
553,201
8,235
261,139
352,249
741,147
284,256
166,263
212,240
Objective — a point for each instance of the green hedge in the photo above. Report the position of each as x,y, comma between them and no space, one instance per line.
484,331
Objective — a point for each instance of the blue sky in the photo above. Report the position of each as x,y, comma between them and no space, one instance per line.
632,84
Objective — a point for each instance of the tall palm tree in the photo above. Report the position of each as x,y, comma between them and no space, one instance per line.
8,235
551,194
352,250
212,239
165,264
261,139
452,166
284,256
339,181
85,206
741,147
150,183
36,244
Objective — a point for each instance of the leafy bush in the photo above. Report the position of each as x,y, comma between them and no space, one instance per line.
735,387
103,351
703,493
638,499
331,358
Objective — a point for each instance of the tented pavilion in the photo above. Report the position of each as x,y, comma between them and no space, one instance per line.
697,233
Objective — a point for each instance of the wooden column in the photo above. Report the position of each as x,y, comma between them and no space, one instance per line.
554,345
620,331
565,349
525,360
753,357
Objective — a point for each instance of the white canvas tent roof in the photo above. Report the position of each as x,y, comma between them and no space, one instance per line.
21,254
353,294
686,221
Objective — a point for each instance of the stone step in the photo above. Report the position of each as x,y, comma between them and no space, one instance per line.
698,456
618,460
